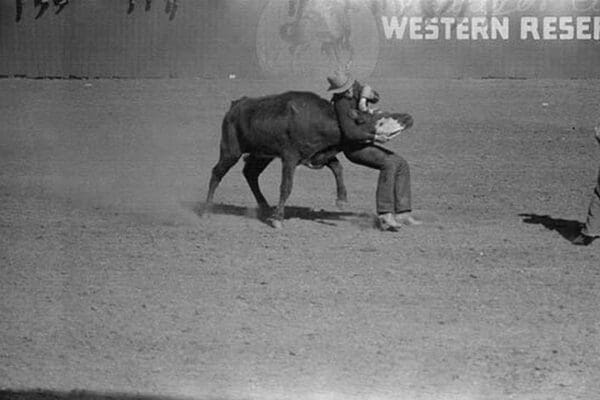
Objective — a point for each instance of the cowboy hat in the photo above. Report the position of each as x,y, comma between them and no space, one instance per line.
340,82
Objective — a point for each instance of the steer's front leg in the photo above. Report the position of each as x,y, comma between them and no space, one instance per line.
336,167
287,180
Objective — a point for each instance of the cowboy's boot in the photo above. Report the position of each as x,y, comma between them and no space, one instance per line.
386,222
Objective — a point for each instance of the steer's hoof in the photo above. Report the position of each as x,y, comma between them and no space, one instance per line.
275,223
341,204
203,210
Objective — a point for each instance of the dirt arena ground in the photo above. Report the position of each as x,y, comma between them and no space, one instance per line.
113,284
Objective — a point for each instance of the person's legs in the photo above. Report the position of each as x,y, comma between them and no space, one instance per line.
377,158
592,223
393,193
591,229
402,193
385,195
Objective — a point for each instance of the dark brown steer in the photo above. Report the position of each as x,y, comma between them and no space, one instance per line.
298,127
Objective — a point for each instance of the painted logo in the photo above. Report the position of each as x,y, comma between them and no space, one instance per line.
315,37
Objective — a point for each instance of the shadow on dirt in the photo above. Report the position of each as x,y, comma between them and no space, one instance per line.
567,228
39,394
304,213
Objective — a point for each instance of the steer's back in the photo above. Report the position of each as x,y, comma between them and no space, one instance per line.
300,122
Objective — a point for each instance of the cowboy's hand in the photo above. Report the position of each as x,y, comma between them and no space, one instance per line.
379,138
367,92
597,128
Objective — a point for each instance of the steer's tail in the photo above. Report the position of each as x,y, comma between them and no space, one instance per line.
229,152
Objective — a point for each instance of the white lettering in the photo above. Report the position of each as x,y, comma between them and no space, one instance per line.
415,28
391,28
500,28
565,26
447,22
583,28
432,30
462,29
549,29
494,28
479,27
529,25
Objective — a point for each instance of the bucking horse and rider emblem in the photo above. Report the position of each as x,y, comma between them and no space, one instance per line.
323,23
309,37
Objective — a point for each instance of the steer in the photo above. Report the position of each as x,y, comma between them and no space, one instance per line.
301,128
298,127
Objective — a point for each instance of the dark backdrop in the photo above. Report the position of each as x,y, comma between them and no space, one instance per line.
217,38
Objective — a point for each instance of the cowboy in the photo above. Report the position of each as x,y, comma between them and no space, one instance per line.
591,229
393,195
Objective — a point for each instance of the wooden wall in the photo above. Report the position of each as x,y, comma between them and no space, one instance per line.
215,38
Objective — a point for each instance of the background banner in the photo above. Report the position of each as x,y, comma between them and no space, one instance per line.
308,38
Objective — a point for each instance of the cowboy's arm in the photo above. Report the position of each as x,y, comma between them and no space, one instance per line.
597,128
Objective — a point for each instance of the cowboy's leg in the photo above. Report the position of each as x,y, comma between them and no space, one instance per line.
592,223
402,191
377,158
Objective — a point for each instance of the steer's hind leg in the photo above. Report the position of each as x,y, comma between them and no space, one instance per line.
287,180
226,161
252,170
336,167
